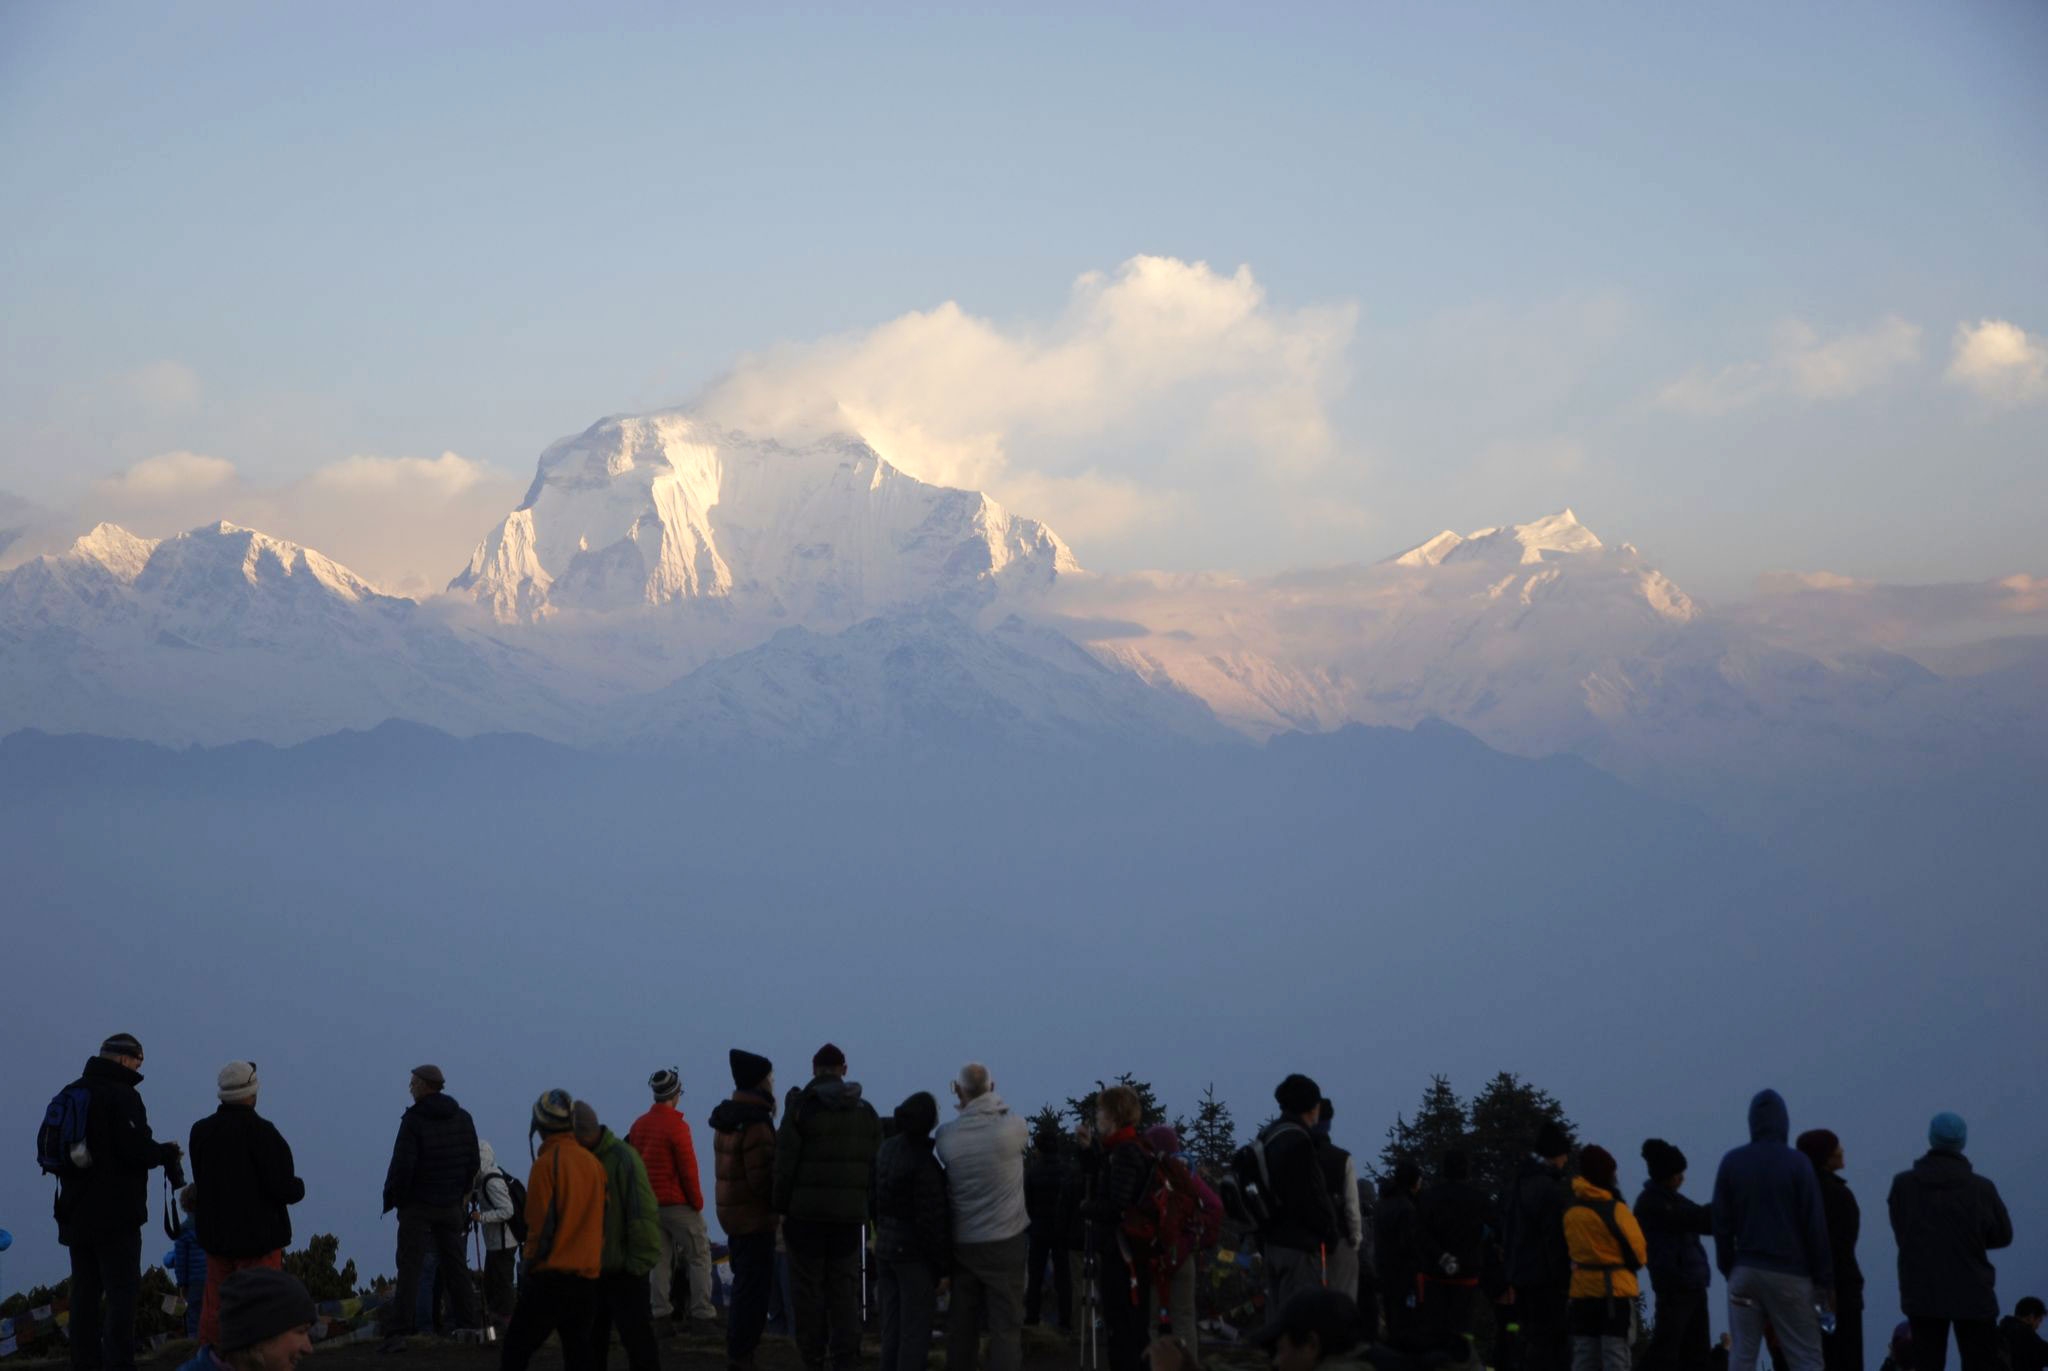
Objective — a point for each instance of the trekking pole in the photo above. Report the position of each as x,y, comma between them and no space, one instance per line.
1323,1255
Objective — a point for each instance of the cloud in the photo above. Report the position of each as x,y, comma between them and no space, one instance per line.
2000,362
1823,608
405,523
1167,370
1802,365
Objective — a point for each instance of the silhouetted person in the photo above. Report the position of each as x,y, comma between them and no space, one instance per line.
1841,1350
1771,1242
824,1164
1680,1273
743,1141
1539,1269
1946,1219
632,1246
913,1234
662,1137
243,1166
1296,1241
983,1151
432,1164
565,1199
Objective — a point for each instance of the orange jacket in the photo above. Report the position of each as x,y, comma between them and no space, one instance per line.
662,1138
565,1209
1599,1270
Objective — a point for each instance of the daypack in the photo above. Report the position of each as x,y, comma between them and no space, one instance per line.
60,1142
1247,1187
517,1223
1605,1209
1168,1222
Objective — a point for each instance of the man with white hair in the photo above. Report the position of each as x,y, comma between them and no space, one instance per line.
983,1152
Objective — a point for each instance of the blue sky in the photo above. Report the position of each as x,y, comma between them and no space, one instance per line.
1697,273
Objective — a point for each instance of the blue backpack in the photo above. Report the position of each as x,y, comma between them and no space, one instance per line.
63,1129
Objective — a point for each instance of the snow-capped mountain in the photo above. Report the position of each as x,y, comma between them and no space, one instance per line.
665,509
223,634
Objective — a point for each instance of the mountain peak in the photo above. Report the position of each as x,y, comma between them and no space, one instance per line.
122,553
1543,540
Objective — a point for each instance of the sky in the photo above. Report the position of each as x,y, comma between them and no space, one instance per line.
1759,291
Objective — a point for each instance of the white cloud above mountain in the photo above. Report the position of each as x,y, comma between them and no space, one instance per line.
2000,362
1803,364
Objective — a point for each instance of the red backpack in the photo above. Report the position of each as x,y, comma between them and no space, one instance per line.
1170,1222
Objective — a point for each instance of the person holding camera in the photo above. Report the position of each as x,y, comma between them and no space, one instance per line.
103,1204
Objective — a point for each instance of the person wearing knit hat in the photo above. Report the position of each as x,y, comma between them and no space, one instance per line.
743,1142
1306,1223
824,1173
558,1285
663,1139
103,1199
1682,1338
1947,1219
1607,1249
1841,1350
434,1164
266,1321
1538,1265
244,1167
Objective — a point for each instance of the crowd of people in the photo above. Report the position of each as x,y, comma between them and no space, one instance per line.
606,1235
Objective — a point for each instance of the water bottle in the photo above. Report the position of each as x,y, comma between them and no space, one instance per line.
1827,1319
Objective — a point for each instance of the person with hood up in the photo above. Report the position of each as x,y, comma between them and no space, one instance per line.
1841,1350
824,1164
913,1234
1682,1339
244,1167
1946,1218
1296,1243
1607,1249
743,1147
103,1203
1452,1220
662,1138
983,1151
565,1207
632,1246
2024,1348
1771,1241
432,1164
1539,1268
490,1207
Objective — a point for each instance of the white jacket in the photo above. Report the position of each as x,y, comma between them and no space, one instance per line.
493,1200
983,1153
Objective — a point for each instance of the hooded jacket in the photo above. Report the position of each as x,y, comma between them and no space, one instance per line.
983,1153
1946,1217
435,1157
662,1138
1537,1258
1767,1209
493,1201
632,1219
1673,1225
914,1216
825,1153
743,1156
565,1203
1600,1269
243,1168
113,1193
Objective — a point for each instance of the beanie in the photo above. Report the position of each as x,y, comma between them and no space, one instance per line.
258,1303
1663,1160
749,1070
1819,1146
237,1082
1297,1095
917,1116
1948,1132
121,1045
667,1084
552,1112
1597,1165
1552,1140
828,1058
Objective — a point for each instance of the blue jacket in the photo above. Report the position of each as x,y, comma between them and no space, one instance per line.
1673,1225
1767,1205
188,1258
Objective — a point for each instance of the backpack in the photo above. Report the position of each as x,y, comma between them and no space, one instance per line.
1605,1209
60,1142
1247,1186
517,1223
1168,1221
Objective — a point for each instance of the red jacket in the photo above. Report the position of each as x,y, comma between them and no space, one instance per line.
662,1138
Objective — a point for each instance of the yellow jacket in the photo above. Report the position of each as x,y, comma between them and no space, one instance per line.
1598,1270
565,1209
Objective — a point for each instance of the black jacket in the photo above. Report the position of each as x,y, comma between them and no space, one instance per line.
1673,1226
1845,1223
913,1216
1946,1217
2024,1349
1534,1217
1452,1217
1333,1159
1396,1244
243,1168
435,1157
1045,1191
1307,1220
1116,1184
113,1193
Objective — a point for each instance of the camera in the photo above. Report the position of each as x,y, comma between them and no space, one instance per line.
174,1170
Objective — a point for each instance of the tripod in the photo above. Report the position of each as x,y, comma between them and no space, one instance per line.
1089,1300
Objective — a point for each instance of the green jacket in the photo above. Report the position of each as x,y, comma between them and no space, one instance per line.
825,1153
632,1220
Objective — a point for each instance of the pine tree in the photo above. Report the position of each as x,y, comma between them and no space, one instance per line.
1212,1139
1505,1118
1440,1125
1048,1128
